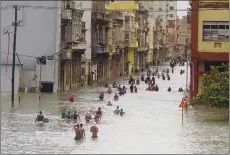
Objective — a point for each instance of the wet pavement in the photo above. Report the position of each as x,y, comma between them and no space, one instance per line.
152,123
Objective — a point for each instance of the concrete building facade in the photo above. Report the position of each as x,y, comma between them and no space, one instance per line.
73,43
210,35
184,35
130,32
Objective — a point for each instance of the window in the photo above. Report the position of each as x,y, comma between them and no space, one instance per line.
171,8
160,9
171,15
126,36
215,31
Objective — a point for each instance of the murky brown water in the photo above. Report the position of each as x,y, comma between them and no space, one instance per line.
152,124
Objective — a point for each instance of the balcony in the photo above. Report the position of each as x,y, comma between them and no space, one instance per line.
118,15
83,27
134,45
66,54
100,16
99,49
79,45
71,5
66,15
136,25
112,49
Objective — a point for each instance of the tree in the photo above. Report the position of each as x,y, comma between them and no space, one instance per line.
215,90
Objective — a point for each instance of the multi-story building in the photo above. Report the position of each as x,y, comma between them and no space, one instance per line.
184,34
116,43
160,40
148,5
210,39
164,12
100,29
86,26
130,30
37,35
72,63
142,32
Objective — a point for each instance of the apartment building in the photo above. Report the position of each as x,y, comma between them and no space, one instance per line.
148,5
165,11
142,33
130,30
210,39
73,44
184,34
164,17
99,31
116,44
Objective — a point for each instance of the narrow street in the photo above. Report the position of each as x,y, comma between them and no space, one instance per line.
152,123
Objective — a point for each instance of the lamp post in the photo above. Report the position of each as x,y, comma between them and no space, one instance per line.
187,69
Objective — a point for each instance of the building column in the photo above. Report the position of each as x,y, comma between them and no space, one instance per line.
123,61
196,76
72,75
109,67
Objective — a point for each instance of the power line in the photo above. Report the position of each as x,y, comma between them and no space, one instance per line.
120,10
20,55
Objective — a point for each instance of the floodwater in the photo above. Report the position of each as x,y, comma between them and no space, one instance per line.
152,123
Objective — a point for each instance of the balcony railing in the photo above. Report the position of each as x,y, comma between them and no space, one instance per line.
100,49
118,15
100,16
79,45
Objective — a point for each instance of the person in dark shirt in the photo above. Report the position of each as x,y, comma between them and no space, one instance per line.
131,88
99,112
39,117
122,112
75,115
68,115
88,117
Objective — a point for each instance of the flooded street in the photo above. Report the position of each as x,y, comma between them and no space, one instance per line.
152,123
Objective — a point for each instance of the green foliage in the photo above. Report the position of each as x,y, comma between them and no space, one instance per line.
215,90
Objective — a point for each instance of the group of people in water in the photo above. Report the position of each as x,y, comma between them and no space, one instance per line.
120,90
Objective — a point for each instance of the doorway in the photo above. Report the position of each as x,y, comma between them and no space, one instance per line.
47,87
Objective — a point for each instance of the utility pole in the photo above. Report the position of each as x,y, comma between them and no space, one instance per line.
15,24
40,80
186,51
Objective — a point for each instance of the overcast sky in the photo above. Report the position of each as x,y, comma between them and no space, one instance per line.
182,5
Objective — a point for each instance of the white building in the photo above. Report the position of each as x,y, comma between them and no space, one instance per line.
38,35
165,10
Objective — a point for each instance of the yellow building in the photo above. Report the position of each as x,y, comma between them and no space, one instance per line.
210,35
129,8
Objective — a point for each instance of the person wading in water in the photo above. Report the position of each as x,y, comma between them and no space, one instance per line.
82,131
94,129
88,117
77,132
75,115
39,117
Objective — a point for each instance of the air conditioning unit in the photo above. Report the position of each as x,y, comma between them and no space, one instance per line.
67,14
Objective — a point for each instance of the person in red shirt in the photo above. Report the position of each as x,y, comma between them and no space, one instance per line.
71,98
135,89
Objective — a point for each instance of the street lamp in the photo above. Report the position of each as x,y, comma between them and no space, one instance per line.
187,70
